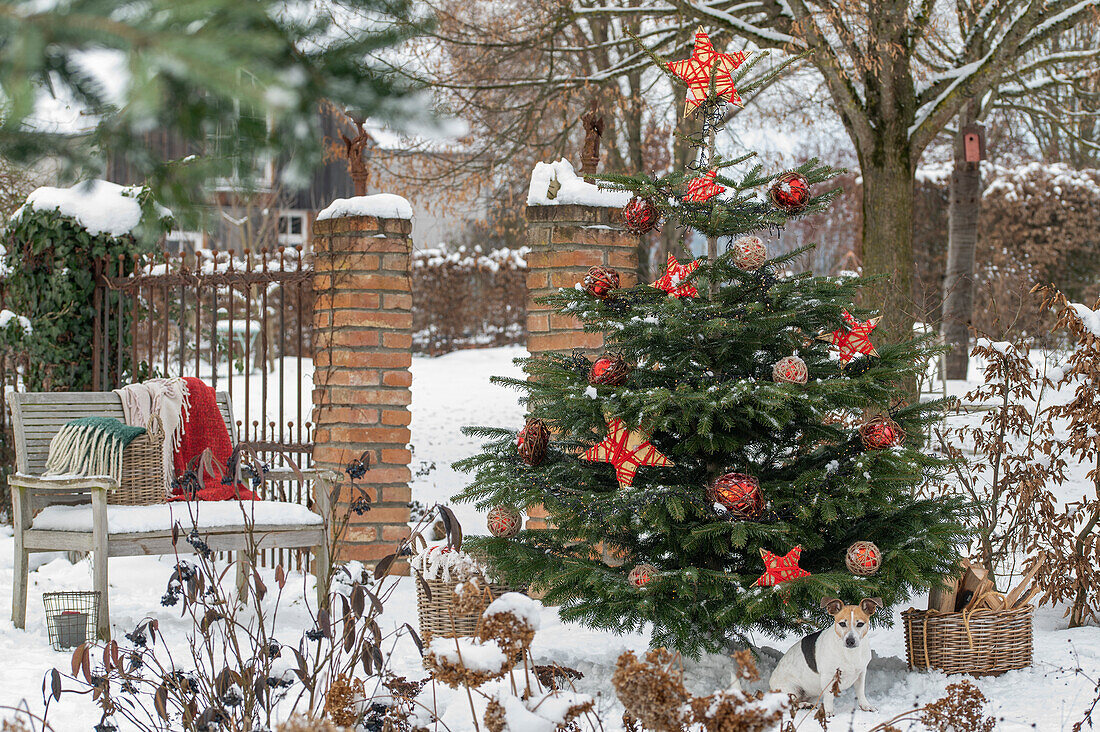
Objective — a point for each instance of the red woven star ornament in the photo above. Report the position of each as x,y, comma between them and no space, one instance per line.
855,340
703,188
697,70
627,451
779,569
672,281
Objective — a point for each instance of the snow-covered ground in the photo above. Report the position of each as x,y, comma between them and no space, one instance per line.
448,393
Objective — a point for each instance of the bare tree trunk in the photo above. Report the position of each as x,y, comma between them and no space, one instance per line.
964,209
888,241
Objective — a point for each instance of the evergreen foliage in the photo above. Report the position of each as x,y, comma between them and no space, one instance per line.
240,82
51,263
702,385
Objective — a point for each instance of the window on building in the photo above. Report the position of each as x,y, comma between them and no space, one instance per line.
292,229
179,241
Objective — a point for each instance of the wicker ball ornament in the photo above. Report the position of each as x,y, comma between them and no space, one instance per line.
608,371
641,575
532,441
790,192
790,370
863,558
641,216
504,522
600,281
749,253
739,494
881,433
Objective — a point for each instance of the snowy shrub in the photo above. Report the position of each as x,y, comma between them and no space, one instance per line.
466,296
1016,458
53,246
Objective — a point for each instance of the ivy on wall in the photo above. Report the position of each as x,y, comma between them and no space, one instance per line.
51,259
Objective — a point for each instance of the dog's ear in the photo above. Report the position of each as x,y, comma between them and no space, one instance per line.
831,605
870,604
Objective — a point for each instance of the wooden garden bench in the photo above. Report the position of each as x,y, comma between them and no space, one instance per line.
72,513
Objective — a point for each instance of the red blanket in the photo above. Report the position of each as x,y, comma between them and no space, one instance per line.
204,428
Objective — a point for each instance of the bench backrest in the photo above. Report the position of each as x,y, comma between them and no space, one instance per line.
37,416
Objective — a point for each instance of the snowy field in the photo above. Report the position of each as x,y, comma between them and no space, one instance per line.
453,391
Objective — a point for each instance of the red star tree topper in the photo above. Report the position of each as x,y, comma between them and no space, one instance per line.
779,569
696,72
672,281
856,339
627,451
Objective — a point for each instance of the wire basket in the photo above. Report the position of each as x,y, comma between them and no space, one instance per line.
71,618
978,642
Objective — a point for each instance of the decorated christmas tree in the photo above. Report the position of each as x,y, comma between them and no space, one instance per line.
740,450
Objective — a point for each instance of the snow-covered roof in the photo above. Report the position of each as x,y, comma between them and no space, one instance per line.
99,206
379,205
574,190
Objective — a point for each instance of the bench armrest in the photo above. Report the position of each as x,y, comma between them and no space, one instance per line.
74,483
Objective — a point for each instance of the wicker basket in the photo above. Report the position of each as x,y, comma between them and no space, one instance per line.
142,480
438,616
978,642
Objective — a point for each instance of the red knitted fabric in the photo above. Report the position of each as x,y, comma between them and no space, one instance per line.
205,428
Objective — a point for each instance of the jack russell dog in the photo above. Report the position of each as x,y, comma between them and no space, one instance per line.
810,668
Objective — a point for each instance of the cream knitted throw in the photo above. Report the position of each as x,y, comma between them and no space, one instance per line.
90,446
168,399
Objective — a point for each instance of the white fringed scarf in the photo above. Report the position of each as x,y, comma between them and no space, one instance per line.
168,399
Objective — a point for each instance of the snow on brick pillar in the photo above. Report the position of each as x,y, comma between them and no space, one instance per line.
362,326
580,227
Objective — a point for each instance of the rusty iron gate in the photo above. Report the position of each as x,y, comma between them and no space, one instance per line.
242,323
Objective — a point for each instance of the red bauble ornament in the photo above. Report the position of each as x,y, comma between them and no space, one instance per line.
641,216
790,370
881,433
749,252
608,371
504,522
863,558
641,575
600,281
790,192
532,441
739,494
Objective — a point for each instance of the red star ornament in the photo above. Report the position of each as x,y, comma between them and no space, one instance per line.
696,72
672,281
703,188
627,451
779,569
856,339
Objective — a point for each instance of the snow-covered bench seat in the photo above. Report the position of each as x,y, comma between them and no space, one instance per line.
71,513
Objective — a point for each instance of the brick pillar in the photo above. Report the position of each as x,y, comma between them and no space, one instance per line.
565,241
362,326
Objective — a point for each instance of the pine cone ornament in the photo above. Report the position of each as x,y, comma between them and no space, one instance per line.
749,253
600,281
532,441
790,192
790,370
863,558
641,575
641,216
504,522
609,371
739,494
881,433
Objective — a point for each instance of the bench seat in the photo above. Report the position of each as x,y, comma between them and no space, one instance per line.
162,516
